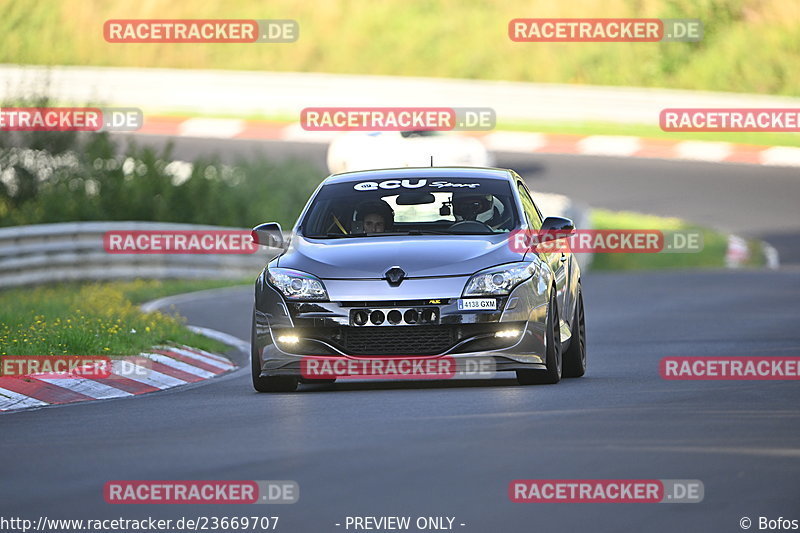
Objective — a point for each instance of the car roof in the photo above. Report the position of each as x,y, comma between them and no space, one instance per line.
421,172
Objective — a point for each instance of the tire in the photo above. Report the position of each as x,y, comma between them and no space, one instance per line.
553,351
270,383
575,355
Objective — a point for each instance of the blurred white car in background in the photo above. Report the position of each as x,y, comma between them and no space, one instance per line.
392,149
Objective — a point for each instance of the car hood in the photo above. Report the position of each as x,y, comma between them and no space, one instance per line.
418,256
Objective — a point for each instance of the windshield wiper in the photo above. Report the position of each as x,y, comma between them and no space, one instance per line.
393,234
428,232
331,236
387,233
441,232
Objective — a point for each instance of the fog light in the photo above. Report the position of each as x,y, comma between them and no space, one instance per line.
428,315
360,318
288,339
377,317
506,333
394,317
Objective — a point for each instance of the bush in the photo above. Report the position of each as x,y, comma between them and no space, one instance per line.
62,176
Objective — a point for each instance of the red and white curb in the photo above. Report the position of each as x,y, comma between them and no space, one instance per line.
168,367
502,141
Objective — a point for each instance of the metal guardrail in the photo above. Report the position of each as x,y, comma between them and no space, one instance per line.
73,251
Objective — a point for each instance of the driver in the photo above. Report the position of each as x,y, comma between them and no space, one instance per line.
472,206
377,216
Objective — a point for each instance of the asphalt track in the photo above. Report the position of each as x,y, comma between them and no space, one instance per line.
451,448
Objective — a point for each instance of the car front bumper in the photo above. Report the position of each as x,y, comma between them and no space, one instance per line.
286,332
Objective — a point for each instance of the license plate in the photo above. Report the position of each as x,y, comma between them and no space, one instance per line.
477,303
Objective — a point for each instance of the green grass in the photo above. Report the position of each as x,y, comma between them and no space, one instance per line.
142,291
712,255
748,46
95,319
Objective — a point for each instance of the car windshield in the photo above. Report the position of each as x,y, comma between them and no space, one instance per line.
412,206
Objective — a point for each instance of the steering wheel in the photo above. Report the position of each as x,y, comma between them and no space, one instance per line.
503,223
470,226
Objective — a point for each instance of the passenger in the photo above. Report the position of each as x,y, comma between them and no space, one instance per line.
376,216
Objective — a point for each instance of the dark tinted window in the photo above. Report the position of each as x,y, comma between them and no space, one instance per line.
446,205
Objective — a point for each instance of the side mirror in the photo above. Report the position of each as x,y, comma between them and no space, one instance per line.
269,234
557,228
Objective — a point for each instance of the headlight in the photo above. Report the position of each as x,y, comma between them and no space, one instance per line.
297,285
498,281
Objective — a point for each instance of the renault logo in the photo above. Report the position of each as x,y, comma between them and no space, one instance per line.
395,276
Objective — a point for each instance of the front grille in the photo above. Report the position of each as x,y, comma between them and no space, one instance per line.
399,340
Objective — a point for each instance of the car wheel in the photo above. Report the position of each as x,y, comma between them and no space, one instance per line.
575,356
270,383
553,351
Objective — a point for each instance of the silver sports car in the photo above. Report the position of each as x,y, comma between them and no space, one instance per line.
418,263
